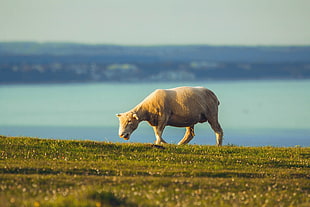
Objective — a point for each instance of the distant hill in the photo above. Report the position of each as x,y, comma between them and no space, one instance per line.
62,62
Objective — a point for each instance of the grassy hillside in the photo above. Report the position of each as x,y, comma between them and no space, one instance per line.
41,172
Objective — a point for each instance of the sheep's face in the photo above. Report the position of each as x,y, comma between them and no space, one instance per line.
128,122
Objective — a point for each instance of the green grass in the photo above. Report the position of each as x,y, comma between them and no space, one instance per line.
42,172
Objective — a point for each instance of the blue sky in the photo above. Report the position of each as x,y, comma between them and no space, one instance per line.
144,22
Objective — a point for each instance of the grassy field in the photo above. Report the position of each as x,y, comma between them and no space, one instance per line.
42,172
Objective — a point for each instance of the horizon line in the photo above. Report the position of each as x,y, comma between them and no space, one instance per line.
156,45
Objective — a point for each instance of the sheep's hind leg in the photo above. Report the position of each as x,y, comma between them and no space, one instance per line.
188,136
218,132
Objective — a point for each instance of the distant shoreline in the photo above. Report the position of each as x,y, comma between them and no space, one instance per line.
61,63
147,81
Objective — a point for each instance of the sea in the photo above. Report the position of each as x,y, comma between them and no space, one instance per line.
252,113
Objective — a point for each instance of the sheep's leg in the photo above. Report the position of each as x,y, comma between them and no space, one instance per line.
158,130
218,131
188,136
219,138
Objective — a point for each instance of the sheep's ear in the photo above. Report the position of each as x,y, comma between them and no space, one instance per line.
135,116
118,115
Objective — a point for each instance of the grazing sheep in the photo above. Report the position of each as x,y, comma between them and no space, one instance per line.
179,107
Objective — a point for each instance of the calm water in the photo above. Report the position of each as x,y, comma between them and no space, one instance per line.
252,113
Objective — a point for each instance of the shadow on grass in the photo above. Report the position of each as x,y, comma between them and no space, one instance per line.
108,199
86,172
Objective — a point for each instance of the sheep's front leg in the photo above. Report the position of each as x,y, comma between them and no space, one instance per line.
158,130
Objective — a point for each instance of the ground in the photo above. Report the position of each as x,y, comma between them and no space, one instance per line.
45,172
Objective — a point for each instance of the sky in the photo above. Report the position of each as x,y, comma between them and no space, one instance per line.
157,22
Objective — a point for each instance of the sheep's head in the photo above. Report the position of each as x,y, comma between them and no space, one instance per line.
128,122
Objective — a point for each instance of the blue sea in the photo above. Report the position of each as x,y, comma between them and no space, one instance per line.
252,113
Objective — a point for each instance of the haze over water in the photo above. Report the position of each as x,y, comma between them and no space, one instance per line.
252,113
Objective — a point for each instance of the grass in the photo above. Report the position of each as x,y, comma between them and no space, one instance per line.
42,172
